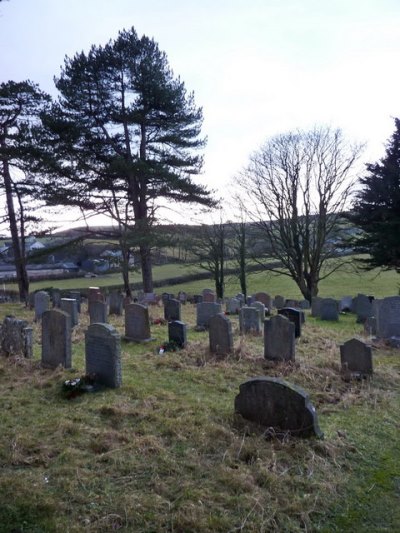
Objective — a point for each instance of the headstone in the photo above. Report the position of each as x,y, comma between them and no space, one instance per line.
279,339
250,321
70,306
329,309
304,304
356,359
363,308
220,335
208,296
95,295
177,332
16,337
294,315
233,306
370,326
264,298
316,306
98,312
103,354
291,303
149,298
126,301
182,297
346,304
278,406
197,299
172,310
116,303
137,323
205,311
279,301
56,297
388,317
76,295
56,339
249,301
261,309
241,298
42,303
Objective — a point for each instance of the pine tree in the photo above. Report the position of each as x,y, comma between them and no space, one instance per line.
376,210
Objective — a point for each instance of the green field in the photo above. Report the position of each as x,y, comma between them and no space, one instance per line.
166,453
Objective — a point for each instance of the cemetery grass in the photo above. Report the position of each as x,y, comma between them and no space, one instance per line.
166,453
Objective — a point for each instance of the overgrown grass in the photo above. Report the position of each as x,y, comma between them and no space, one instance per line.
166,453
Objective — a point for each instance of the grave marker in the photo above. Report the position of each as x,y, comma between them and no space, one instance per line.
103,354
56,339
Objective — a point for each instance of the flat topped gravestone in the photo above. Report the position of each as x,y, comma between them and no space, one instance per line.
220,335
42,303
116,303
177,332
103,354
205,311
356,359
295,316
279,339
56,339
16,337
137,323
279,301
98,312
363,307
172,309
388,317
329,309
250,320
277,405
70,306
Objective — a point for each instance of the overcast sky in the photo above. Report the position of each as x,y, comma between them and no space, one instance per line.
257,67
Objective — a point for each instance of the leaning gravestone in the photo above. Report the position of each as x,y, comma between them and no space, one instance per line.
279,339
16,337
388,317
172,310
329,309
294,315
177,332
220,335
70,306
103,354
116,303
356,359
98,312
137,323
42,304
249,320
277,406
56,339
205,311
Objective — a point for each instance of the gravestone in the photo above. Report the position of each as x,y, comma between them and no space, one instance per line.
98,312
249,301
208,296
56,298
205,311
264,298
279,339
172,310
388,317
233,306
294,315
329,309
76,295
240,297
316,306
95,295
126,301
363,307
220,335
261,309
292,303
70,306
278,406
197,299
279,301
370,326
42,304
346,304
103,354
182,297
177,332
304,304
356,359
149,298
16,337
56,339
116,303
250,321
137,323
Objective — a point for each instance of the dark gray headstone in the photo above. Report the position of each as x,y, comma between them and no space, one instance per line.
103,354
56,339
316,306
76,295
137,323
279,339
42,303
250,321
205,311
304,304
208,296
177,332
356,359
220,334
56,298
98,312
294,315
279,301
370,326
70,306
388,317
279,406
116,303
329,309
363,307
182,297
16,337
346,304
172,309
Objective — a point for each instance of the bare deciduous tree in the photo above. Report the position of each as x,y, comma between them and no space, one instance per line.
295,189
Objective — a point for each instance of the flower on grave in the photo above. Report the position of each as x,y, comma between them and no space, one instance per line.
168,346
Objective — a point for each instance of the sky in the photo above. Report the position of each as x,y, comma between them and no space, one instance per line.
257,67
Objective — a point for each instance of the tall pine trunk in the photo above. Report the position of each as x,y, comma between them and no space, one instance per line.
147,275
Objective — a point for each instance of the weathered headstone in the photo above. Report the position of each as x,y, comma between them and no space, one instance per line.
316,306
294,315
42,303
177,332
304,304
16,337
103,354
346,304
292,303
250,321
95,295
233,306
56,298
76,295
137,323
261,309
197,299
329,309
279,339
279,301
182,297
98,312
56,339
388,317
220,335
116,303
277,406
356,359
70,306
172,310
363,307
205,311
370,326
208,295
264,298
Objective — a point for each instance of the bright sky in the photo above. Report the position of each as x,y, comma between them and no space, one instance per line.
257,67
